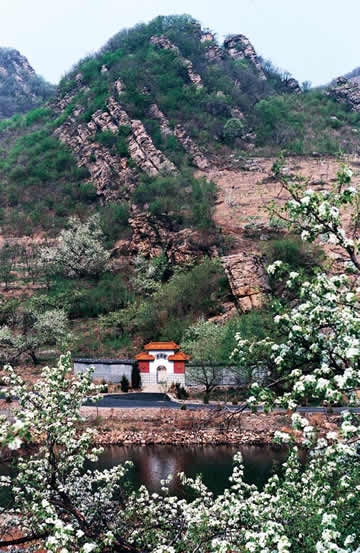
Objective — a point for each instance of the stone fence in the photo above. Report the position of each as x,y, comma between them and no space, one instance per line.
109,370
196,372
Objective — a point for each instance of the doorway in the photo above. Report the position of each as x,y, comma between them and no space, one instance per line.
161,374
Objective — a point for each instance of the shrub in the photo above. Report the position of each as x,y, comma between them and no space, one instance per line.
294,252
124,384
135,378
180,391
194,204
114,221
233,128
182,300
85,298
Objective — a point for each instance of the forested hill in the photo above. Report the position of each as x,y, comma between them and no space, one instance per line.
156,99
131,135
21,89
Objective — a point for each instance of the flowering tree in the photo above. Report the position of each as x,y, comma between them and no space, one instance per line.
202,341
320,354
32,330
311,507
80,251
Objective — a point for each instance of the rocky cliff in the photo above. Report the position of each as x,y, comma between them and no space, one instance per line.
346,92
239,47
20,88
140,132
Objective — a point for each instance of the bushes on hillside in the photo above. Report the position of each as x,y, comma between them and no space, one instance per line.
182,199
298,123
179,302
293,251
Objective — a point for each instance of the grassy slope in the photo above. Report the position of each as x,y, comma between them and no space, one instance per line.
41,185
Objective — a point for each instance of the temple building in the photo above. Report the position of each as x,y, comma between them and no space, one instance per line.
162,363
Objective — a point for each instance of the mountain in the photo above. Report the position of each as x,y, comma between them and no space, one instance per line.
160,133
354,75
20,88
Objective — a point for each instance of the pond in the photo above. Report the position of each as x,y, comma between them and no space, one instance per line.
154,463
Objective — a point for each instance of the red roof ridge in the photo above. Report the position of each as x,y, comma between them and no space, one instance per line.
144,357
171,346
179,356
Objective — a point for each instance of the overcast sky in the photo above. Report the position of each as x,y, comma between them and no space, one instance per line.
315,40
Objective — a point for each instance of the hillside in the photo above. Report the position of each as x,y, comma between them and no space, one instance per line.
139,134
354,75
20,88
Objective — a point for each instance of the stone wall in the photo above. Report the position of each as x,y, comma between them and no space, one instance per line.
109,370
227,376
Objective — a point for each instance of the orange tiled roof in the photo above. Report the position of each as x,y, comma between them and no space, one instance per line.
161,345
179,356
144,357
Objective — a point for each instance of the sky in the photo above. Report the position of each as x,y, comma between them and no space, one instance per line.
315,40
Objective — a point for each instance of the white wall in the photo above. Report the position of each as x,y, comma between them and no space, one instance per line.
162,362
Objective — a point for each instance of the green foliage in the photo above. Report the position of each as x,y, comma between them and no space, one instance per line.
7,264
36,115
114,221
8,310
179,302
20,90
186,200
115,142
124,384
305,123
135,378
233,129
85,299
293,251
206,341
43,182
181,393
254,325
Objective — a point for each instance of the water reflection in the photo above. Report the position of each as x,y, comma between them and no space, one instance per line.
154,463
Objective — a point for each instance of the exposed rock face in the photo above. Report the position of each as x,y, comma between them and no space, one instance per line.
239,47
156,113
247,279
111,173
346,92
213,52
193,150
151,238
198,158
108,173
164,43
19,84
12,63
292,86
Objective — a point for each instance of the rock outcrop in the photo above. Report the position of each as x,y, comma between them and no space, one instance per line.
346,92
196,155
12,63
164,43
247,279
214,53
198,158
19,84
111,173
151,238
292,86
239,47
